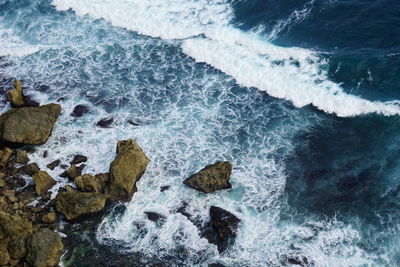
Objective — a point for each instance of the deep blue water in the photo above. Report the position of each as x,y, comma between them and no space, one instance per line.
305,183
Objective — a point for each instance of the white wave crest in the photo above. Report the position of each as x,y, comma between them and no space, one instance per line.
11,45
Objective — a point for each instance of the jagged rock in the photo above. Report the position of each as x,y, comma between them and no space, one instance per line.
79,111
5,155
90,183
223,227
53,164
126,169
74,204
16,96
43,182
212,178
44,248
30,169
4,255
153,216
164,188
73,172
29,125
105,122
13,226
50,217
21,157
78,159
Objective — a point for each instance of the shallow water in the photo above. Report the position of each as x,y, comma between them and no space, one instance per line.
300,107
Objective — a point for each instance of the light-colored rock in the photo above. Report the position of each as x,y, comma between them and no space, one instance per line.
128,166
16,96
212,178
29,125
13,226
50,217
5,155
21,157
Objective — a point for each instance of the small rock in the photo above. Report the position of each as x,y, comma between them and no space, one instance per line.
64,166
78,159
4,255
73,172
44,248
5,155
31,169
131,122
212,178
53,164
105,122
16,96
22,157
79,111
43,182
165,188
8,193
29,102
49,218
153,216
43,88
45,154
2,183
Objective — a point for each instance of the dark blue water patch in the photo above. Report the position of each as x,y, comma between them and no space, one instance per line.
348,169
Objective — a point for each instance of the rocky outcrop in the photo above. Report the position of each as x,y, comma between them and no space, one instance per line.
212,178
73,172
21,157
43,182
16,96
29,125
74,204
126,169
90,183
44,248
13,226
222,228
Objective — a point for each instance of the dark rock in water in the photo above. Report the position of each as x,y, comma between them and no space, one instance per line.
79,111
298,260
29,125
105,122
74,204
53,164
216,265
44,248
30,169
153,216
212,178
64,166
165,188
29,102
222,228
78,159
182,210
61,99
126,169
131,122
43,88
73,172
45,154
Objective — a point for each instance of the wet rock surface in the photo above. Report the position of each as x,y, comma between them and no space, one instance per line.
79,111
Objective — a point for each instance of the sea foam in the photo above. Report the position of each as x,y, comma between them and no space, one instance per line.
294,74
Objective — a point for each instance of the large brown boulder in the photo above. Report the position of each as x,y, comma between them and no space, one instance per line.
13,226
212,178
29,125
44,248
74,204
43,182
126,169
16,96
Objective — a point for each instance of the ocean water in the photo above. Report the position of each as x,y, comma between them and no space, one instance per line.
301,96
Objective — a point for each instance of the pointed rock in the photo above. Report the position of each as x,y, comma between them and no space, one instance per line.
43,182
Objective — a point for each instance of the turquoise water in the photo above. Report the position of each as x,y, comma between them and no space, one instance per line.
294,94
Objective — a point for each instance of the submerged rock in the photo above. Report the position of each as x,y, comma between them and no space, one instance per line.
79,111
74,204
53,164
105,122
43,182
79,159
212,178
29,125
44,248
126,169
154,216
222,228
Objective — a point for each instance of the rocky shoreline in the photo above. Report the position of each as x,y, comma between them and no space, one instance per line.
30,214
